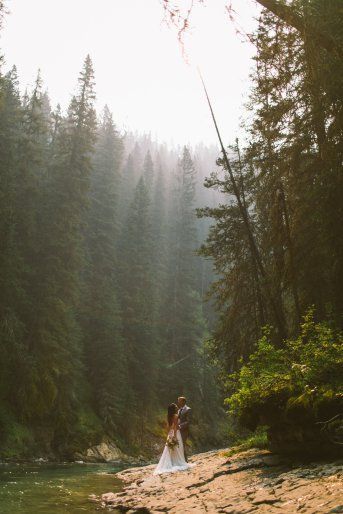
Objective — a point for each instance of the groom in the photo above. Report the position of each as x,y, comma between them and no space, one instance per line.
184,421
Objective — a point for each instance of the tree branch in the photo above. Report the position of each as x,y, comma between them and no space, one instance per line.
284,12
292,18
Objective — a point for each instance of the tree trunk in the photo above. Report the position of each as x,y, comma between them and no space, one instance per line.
278,313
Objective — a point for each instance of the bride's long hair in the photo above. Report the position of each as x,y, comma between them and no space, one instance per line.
172,410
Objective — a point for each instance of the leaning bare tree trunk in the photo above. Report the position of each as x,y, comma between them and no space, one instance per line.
279,319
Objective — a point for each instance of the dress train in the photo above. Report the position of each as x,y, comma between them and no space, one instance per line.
172,459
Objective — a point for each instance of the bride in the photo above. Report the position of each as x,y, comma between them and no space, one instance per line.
173,458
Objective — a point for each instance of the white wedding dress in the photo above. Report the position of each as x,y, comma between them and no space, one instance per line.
172,459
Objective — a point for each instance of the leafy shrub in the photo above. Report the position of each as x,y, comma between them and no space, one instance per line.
258,439
299,384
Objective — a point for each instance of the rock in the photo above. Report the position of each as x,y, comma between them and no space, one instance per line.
123,508
108,497
263,497
106,451
251,482
41,460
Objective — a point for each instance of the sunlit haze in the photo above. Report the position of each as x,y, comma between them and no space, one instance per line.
139,68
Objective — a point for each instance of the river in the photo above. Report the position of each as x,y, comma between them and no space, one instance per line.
54,488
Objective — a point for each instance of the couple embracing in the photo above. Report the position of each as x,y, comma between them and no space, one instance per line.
174,455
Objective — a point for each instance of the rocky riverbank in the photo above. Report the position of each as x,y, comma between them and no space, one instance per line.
105,452
108,451
253,481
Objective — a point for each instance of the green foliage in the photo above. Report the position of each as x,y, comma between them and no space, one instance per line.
300,384
15,439
88,431
257,439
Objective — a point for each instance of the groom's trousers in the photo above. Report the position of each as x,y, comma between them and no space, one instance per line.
184,435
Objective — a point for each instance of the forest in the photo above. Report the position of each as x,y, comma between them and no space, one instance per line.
132,272
102,318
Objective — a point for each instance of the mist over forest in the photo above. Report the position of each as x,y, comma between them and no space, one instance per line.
133,271
107,321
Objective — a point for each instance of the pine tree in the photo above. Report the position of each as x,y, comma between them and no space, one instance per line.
159,263
12,295
137,291
55,337
30,160
105,355
159,239
292,158
183,318
128,182
148,171
237,288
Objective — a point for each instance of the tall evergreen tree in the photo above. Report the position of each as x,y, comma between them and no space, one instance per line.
12,295
126,189
292,183
30,159
148,171
105,355
138,303
184,323
159,262
55,337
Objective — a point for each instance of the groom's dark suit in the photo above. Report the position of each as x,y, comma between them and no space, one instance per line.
184,422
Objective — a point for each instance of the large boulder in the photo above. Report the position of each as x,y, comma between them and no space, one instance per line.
106,451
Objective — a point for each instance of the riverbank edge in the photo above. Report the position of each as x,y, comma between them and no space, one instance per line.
250,481
107,451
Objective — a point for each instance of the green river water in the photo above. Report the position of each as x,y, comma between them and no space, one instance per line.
54,488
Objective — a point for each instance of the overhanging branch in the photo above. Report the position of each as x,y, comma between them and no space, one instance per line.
292,18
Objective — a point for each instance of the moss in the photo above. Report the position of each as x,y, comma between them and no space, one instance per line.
258,439
18,442
87,432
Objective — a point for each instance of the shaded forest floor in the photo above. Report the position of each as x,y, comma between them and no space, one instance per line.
252,481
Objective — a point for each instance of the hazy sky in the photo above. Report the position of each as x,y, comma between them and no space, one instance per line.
139,68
